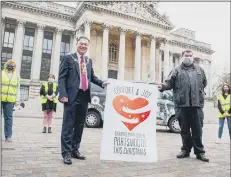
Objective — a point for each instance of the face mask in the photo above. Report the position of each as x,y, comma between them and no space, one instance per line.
10,67
187,61
51,80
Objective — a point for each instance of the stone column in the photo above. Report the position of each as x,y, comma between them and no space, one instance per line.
152,58
137,73
18,45
122,54
56,58
166,59
160,65
104,60
74,41
3,28
87,33
75,35
37,59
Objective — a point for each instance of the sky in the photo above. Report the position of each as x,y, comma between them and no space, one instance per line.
209,20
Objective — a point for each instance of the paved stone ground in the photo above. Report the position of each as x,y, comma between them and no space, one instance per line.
34,154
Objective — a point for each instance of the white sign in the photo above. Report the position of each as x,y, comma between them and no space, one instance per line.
129,131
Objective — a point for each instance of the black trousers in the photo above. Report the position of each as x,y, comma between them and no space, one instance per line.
191,118
73,123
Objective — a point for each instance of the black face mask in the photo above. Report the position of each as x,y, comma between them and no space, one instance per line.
10,67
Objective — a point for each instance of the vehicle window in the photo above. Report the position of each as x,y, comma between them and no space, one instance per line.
96,88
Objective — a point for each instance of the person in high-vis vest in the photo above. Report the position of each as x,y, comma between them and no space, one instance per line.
9,95
48,94
224,111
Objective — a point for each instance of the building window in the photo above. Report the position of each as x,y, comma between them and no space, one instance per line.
24,93
65,45
28,41
8,43
46,55
197,61
113,53
174,61
8,39
26,67
28,45
9,35
112,74
162,76
4,58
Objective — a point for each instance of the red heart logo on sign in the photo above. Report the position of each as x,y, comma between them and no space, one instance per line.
131,110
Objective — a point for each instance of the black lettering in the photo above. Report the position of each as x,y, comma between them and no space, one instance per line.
146,94
117,150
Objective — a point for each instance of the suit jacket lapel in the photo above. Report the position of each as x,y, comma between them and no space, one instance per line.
88,67
75,57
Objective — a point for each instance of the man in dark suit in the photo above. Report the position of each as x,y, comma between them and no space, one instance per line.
75,77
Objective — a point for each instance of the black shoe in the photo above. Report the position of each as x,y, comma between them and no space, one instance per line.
183,154
49,130
202,157
67,160
44,129
77,155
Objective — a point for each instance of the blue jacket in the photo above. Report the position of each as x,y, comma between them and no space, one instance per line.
69,77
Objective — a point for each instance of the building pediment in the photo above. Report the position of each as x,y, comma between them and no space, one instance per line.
136,10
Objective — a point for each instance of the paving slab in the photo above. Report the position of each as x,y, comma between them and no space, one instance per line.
34,154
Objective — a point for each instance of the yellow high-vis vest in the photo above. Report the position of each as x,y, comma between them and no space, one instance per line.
43,98
225,105
9,87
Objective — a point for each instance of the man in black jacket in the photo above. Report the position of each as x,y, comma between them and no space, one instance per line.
188,81
75,76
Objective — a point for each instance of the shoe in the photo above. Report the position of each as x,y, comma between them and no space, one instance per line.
8,140
67,160
202,157
44,129
49,130
77,155
183,154
218,141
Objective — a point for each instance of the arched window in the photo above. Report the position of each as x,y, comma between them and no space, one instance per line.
113,53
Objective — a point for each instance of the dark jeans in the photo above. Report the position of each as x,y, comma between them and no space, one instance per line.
72,128
7,109
221,126
191,117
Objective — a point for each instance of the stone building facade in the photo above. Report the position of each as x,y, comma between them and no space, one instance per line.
129,40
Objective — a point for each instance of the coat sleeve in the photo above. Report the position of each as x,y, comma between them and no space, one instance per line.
170,81
205,82
62,79
42,91
229,110
94,79
219,107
